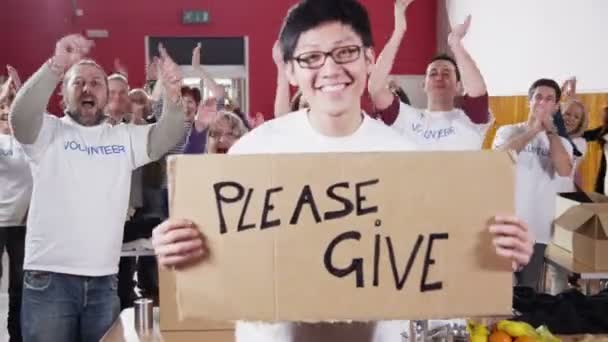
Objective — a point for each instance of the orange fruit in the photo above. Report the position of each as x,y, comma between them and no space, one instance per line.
525,339
500,336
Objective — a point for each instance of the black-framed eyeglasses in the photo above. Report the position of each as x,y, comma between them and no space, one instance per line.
219,134
340,55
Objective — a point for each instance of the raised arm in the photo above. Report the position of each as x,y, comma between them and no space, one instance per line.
561,158
32,99
593,134
282,97
153,85
14,76
169,130
569,89
121,68
9,88
377,86
472,80
205,115
216,89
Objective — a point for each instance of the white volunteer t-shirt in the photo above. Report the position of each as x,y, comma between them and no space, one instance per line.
566,184
292,133
16,180
535,180
82,179
440,131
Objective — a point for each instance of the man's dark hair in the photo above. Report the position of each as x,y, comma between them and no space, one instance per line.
308,14
194,93
545,82
446,57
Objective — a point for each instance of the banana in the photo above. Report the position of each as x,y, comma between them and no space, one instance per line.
478,332
546,335
517,329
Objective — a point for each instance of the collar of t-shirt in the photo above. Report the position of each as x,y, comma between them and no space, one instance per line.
306,117
7,145
70,121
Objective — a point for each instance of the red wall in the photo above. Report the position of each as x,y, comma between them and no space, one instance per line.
31,28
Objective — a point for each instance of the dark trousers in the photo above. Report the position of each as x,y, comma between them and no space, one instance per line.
145,266
13,240
530,275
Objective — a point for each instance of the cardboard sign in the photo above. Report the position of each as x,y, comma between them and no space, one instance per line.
353,236
169,318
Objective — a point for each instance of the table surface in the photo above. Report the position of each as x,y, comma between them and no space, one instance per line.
139,247
562,258
123,330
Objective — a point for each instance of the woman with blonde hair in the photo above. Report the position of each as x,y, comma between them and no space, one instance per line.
576,120
221,130
224,131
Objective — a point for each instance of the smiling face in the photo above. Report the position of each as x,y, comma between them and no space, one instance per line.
441,80
86,94
574,117
334,87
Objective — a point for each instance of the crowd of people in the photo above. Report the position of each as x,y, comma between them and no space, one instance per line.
76,186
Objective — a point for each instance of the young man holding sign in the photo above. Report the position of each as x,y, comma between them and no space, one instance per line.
328,55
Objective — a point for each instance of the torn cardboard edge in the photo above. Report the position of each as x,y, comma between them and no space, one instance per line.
171,165
290,173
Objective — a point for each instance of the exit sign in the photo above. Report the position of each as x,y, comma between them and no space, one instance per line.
195,17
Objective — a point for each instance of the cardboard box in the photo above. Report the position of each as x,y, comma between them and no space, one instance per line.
581,227
338,237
